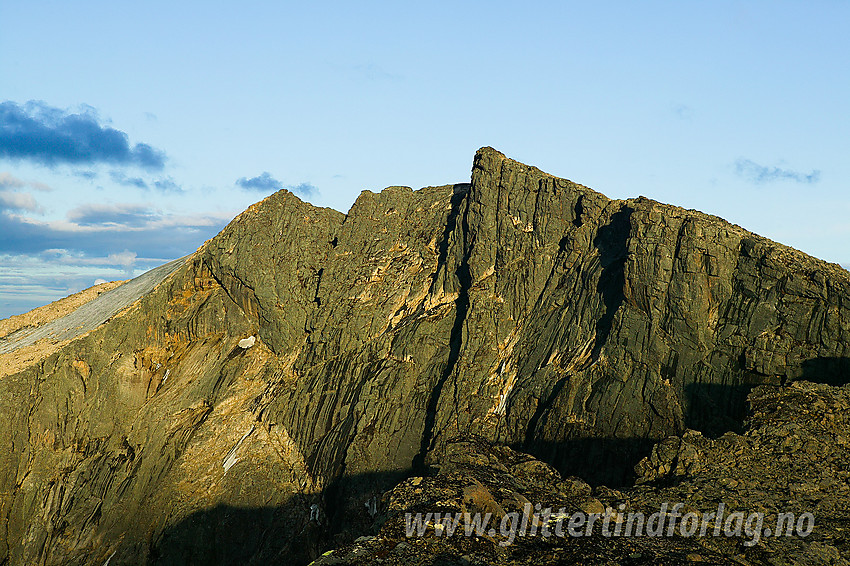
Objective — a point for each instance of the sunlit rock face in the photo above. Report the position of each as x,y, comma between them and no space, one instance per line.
258,399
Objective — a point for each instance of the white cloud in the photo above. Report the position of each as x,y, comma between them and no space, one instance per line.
126,259
12,200
10,182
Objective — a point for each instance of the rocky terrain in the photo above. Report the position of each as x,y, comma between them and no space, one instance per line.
793,458
279,392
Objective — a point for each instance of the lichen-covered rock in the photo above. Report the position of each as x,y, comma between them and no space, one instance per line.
673,456
433,520
750,473
793,457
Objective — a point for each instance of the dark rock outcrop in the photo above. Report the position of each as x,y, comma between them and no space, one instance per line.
522,309
793,458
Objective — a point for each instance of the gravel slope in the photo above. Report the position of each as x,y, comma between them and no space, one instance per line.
92,314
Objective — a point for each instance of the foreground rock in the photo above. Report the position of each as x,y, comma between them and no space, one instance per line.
520,309
793,458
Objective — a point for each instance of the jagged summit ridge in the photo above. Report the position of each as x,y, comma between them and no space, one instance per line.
520,308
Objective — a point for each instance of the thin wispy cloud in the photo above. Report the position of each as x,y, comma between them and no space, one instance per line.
760,174
66,257
266,183
99,230
8,181
164,184
48,136
122,179
305,189
85,174
128,215
125,261
167,185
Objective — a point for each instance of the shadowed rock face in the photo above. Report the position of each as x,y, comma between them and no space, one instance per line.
520,308
791,461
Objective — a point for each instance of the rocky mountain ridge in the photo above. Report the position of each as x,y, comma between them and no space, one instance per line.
520,308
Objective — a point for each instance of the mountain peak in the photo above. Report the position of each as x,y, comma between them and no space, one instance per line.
305,361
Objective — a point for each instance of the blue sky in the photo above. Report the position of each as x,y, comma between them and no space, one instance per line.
132,132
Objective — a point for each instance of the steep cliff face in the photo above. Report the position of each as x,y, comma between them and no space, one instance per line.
303,361
622,320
